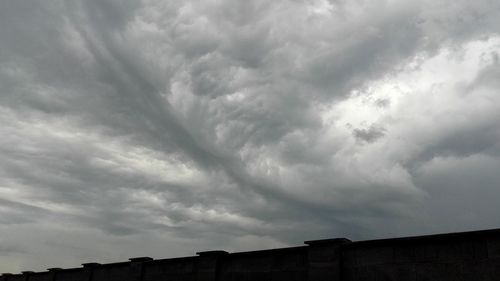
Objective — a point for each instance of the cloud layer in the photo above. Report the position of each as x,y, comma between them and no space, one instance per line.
162,128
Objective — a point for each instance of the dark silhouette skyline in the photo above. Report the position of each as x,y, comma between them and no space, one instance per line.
454,256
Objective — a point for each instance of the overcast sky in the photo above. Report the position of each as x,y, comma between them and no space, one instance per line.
162,128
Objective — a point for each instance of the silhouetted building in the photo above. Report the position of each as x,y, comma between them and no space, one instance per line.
462,256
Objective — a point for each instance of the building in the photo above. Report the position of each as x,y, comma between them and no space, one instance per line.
462,256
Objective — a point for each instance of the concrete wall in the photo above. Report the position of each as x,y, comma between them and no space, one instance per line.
457,256
280,264
460,256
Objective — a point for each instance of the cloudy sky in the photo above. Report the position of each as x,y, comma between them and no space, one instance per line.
161,128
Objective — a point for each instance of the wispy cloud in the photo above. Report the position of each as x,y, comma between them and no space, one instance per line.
168,127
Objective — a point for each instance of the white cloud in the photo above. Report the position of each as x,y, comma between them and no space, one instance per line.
237,124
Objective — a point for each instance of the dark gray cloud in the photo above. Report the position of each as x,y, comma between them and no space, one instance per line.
370,134
241,124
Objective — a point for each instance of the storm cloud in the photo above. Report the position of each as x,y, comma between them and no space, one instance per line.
161,128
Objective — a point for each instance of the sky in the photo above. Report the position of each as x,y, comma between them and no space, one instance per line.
162,128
